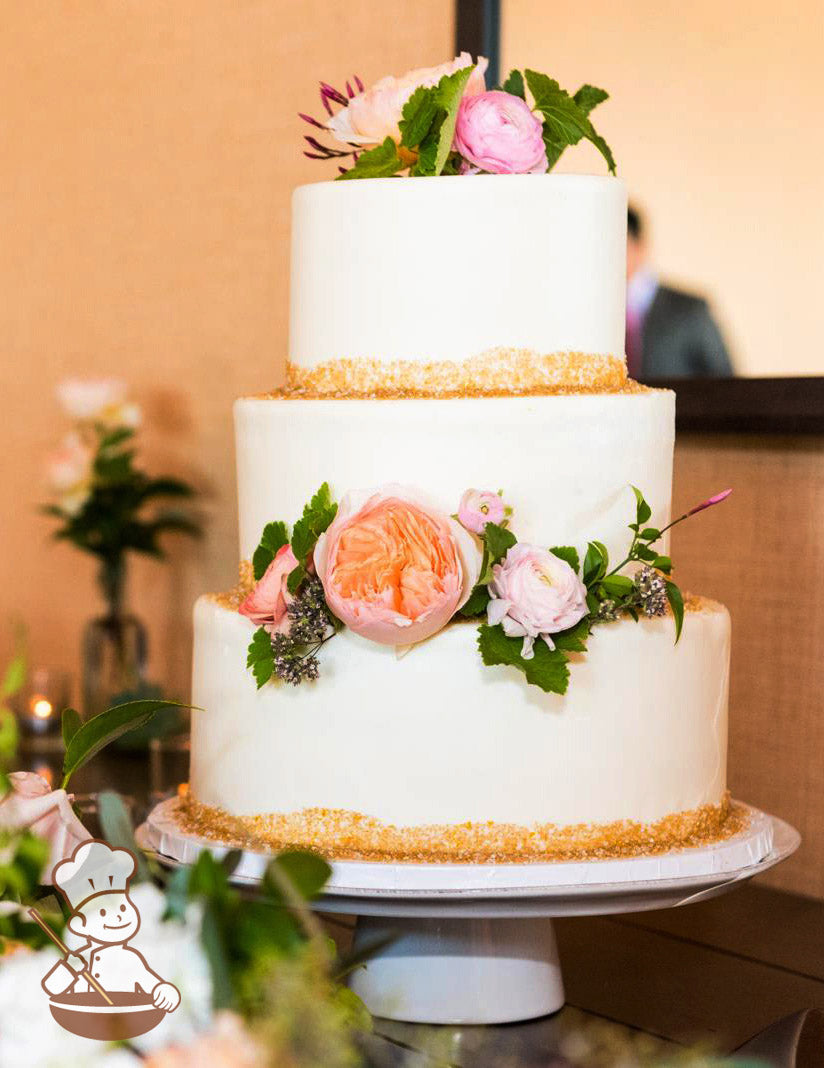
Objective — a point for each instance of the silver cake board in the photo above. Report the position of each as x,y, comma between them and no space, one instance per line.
473,943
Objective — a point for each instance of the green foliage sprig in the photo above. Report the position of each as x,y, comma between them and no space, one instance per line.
292,656
609,595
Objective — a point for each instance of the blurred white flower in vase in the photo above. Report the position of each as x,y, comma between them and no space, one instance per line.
69,470
98,400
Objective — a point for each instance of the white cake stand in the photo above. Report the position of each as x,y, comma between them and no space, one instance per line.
474,943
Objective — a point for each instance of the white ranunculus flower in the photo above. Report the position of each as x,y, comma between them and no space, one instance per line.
86,399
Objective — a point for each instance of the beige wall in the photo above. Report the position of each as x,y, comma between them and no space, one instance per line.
147,155
712,120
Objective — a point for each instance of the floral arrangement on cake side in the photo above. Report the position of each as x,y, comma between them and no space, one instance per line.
442,120
394,568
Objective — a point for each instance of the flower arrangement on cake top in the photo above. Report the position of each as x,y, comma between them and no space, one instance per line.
442,120
395,569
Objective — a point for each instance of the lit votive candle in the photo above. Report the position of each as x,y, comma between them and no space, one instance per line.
40,703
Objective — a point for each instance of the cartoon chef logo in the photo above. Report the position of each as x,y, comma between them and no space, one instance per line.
95,883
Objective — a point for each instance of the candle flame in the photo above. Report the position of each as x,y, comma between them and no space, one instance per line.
41,707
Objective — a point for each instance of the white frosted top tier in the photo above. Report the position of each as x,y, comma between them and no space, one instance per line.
447,268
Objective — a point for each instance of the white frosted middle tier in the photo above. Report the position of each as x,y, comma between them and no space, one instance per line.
565,463
446,268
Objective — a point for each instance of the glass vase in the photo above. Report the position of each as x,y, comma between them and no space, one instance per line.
115,648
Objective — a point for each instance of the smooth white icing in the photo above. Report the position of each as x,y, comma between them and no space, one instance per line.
445,268
437,737
565,463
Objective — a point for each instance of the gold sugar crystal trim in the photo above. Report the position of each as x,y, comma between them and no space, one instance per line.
499,372
342,835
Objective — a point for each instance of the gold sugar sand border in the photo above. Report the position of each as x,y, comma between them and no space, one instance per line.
499,372
342,835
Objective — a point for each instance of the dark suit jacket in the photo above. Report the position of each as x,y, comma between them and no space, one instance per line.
680,338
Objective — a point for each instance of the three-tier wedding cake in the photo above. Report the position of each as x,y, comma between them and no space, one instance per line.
464,647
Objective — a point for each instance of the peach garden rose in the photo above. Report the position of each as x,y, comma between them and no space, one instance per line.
373,116
394,568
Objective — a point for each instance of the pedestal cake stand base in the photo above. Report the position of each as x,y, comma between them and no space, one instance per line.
473,943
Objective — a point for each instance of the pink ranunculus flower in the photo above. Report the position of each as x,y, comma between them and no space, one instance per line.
32,804
497,132
479,507
535,595
395,568
373,116
268,602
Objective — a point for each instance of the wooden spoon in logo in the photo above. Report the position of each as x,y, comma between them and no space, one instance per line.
61,945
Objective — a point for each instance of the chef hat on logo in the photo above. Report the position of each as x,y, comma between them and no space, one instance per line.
94,868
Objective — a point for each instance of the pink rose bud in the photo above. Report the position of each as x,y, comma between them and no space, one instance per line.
716,499
535,595
479,507
497,132
394,568
266,605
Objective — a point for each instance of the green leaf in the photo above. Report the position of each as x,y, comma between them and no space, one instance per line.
166,487
476,605
8,736
676,602
643,552
547,669
274,537
596,562
317,516
449,92
100,730
117,830
295,578
15,675
514,84
499,541
380,162
116,437
418,115
70,724
617,585
260,656
213,940
568,553
650,534
307,872
662,563
573,640
642,509
589,97
565,122
593,604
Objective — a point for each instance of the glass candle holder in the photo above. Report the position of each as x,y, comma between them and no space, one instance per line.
40,703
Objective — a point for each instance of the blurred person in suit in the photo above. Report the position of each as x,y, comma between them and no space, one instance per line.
670,333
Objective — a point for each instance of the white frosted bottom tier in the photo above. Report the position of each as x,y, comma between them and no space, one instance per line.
435,737
565,463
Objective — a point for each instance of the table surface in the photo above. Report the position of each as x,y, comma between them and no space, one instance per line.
716,972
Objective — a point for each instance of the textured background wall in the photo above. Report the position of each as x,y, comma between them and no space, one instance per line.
147,155
762,554
705,125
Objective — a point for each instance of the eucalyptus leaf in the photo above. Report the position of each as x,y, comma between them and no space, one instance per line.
100,730
118,832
